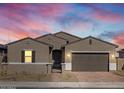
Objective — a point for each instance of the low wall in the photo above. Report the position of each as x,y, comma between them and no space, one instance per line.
30,68
120,63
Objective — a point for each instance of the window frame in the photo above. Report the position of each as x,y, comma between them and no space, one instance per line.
31,56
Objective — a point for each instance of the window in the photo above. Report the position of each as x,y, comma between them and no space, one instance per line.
28,56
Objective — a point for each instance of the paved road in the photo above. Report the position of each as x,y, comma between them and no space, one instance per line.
41,85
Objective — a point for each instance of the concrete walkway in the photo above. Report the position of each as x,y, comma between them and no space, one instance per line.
66,85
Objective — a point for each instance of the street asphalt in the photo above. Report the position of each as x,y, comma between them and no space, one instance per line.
61,85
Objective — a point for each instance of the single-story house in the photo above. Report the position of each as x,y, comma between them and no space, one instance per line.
77,54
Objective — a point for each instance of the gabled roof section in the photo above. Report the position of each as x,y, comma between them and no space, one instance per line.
30,39
95,39
43,36
51,35
67,34
60,37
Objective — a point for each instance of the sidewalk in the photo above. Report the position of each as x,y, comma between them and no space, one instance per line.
66,85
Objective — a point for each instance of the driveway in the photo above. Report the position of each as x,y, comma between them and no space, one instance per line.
98,77
86,77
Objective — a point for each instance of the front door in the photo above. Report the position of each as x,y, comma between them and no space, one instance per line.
57,57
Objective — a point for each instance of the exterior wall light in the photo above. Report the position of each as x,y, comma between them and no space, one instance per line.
69,55
113,56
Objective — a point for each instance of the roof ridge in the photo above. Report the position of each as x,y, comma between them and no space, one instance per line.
31,39
60,37
67,34
93,38
51,35
43,36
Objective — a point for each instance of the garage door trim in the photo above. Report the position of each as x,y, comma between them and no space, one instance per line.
90,51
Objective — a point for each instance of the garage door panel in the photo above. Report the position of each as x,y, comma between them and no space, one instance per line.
88,64
90,61
89,68
92,69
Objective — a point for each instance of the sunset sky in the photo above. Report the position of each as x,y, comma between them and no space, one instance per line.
105,21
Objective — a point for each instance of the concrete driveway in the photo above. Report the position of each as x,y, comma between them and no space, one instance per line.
98,77
86,77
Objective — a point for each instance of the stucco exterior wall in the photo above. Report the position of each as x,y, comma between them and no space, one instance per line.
41,51
97,46
53,40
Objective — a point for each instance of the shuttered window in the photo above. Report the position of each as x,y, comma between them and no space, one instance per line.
28,56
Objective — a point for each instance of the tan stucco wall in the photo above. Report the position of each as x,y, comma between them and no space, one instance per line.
55,41
67,37
41,51
83,45
120,63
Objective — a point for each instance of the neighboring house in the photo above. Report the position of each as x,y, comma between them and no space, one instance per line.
90,54
121,53
87,54
120,60
3,52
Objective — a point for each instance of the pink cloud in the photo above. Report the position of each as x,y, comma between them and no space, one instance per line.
45,10
33,25
119,39
52,10
3,41
13,33
22,26
106,16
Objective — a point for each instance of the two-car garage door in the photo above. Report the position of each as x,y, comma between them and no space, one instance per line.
90,61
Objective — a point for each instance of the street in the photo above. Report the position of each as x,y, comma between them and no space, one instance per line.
60,85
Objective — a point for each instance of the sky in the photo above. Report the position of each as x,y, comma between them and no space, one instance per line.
104,21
